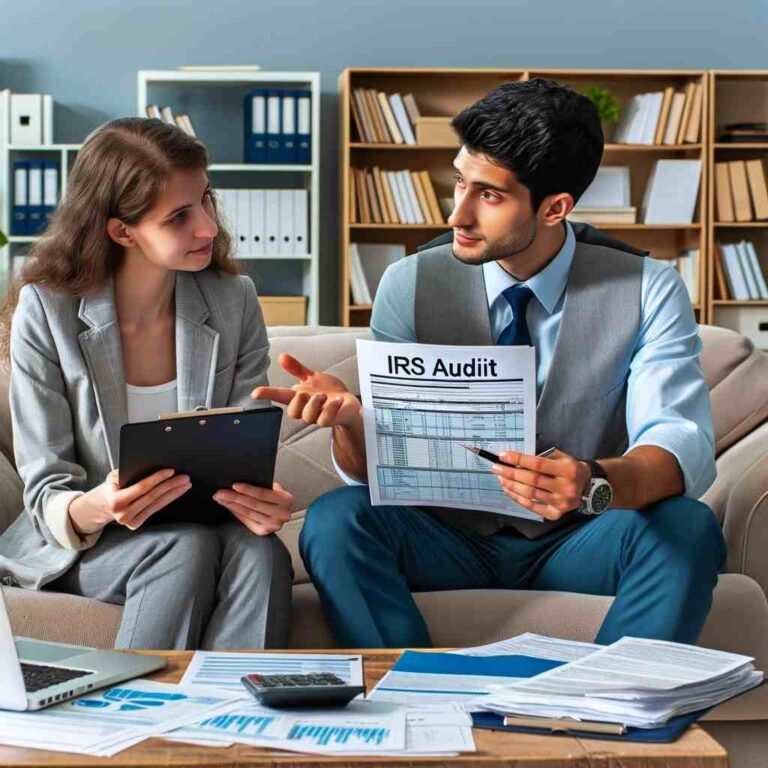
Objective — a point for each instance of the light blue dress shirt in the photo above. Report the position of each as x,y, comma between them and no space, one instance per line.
667,397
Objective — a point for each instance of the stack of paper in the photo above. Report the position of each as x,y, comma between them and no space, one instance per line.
635,682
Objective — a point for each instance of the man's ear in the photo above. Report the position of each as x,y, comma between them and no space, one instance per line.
556,207
119,233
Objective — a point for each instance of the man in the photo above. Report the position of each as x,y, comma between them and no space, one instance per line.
620,393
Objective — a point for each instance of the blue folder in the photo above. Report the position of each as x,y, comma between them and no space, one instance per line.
527,666
254,133
20,210
304,127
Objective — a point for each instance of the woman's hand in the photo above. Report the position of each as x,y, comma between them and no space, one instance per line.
319,398
130,506
260,510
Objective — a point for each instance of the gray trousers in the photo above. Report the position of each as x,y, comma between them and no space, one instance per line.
187,586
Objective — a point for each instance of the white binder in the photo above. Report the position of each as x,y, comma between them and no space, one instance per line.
272,221
27,119
300,221
243,223
257,222
226,203
286,222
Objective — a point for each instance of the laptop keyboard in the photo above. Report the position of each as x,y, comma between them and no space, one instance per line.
37,676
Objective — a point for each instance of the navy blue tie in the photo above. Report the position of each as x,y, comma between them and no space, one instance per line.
516,333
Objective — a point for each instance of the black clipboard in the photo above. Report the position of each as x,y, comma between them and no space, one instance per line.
215,448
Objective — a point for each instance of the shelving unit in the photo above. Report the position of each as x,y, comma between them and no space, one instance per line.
18,245
214,102
736,96
444,92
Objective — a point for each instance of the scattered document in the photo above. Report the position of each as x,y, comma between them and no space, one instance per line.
107,721
421,400
432,679
538,646
223,670
635,682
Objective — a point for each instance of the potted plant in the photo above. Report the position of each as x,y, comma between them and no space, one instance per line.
607,106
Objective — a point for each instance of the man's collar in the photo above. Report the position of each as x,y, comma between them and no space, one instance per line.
547,285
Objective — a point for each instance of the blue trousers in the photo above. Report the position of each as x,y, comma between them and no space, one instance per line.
661,563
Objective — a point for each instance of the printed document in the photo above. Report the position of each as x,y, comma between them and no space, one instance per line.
420,401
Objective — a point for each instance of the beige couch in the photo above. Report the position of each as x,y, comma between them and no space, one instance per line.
738,378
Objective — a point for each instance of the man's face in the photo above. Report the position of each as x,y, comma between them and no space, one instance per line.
493,218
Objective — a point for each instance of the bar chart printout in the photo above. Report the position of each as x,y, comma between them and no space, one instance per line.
421,401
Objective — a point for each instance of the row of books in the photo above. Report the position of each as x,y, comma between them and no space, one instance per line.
182,121
384,119
393,197
278,126
662,117
739,273
741,192
368,261
35,195
266,222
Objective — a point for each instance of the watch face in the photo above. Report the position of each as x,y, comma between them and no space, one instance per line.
600,497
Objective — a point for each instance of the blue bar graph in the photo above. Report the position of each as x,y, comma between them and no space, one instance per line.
252,725
323,735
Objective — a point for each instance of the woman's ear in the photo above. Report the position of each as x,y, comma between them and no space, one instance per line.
119,233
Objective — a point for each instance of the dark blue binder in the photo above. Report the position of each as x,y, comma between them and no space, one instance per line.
20,210
303,127
527,666
35,210
288,115
50,190
255,126
274,135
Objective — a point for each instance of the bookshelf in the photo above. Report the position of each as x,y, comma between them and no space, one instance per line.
214,102
736,96
444,92
17,247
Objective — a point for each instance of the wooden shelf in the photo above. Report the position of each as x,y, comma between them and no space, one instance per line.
742,145
444,91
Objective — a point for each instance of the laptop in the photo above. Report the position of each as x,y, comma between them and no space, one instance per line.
35,674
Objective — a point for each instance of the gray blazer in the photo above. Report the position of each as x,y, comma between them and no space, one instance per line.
68,397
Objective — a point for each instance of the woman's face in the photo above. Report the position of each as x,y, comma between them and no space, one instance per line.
178,232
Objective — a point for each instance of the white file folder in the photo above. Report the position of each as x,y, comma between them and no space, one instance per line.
272,221
257,222
27,119
300,222
226,203
286,222
243,223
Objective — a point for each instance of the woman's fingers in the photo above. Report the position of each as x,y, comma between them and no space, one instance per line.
137,519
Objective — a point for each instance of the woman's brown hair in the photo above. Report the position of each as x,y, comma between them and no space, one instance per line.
119,173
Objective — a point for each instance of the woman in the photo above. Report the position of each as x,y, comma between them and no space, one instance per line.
133,306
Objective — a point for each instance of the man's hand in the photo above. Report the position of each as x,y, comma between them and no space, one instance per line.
550,487
261,510
318,398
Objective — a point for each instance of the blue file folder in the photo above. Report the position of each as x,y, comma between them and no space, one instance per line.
526,666
255,127
304,127
20,210
274,135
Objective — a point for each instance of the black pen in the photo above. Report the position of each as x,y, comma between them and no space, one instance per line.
488,456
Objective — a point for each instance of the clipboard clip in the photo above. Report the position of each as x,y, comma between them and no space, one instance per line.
199,411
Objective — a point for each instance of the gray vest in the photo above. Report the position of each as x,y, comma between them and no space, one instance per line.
581,409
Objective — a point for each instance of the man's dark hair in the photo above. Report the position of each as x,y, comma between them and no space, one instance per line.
547,134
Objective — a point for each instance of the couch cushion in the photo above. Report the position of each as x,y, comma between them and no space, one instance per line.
737,375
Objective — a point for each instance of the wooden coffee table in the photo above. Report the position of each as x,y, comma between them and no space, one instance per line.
695,749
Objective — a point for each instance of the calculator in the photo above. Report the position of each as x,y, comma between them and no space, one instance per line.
322,689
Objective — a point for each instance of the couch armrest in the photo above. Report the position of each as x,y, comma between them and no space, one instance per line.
745,521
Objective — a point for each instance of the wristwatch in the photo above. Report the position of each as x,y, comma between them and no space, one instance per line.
598,493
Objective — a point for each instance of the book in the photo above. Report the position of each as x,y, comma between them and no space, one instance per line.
353,215
673,121
373,198
367,135
688,267
434,205
653,104
689,92
362,196
757,188
672,191
720,282
378,183
417,217
421,197
694,119
388,194
588,215
734,275
609,189
357,284
666,104
166,113
402,213
750,274
389,117
737,171
401,115
757,269
153,111
628,115
357,120
379,123
411,108
723,193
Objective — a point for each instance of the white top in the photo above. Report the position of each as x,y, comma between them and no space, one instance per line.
147,403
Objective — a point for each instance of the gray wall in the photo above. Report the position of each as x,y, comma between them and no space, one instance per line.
86,52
